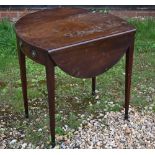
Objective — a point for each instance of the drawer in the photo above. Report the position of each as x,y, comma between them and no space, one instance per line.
36,54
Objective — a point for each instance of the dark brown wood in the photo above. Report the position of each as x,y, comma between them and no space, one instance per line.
93,85
74,37
128,73
64,27
81,43
22,64
37,54
91,59
51,98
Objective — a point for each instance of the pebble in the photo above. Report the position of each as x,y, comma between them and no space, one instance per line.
22,136
13,141
127,130
24,145
117,132
106,130
40,130
97,97
57,147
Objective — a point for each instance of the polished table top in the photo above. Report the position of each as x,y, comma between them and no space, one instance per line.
60,27
82,43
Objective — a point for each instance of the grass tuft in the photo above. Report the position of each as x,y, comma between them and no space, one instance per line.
7,38
145,36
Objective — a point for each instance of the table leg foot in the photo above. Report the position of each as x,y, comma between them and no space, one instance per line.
26,114
126,117
93,93
52,142
93,86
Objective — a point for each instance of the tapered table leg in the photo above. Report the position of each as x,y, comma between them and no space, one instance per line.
93,85
22,64
129,63
51,99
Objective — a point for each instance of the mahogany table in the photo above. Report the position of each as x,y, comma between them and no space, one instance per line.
81,43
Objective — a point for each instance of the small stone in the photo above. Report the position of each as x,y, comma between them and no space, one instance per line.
97,97
122,140
22,136
63,146
82,116
98,143
98,102
111,102
29,145
57,147
76,98
3,136
13,141
127,130
59,138
24,145
3,146
42,146
105,116
40,130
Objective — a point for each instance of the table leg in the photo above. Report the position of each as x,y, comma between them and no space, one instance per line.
129,62
93,85
22,64
51,99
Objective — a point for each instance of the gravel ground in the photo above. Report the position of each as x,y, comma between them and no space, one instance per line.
111,131
106,131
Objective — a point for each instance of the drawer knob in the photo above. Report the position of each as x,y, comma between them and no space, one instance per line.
34,53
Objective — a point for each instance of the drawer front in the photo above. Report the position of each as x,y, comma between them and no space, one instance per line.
36,54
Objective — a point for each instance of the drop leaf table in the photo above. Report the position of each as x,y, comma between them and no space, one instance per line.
82,43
